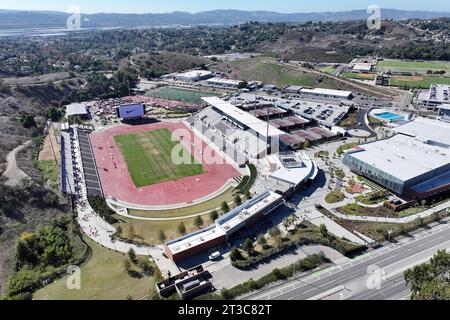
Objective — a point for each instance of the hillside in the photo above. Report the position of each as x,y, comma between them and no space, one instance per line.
155,64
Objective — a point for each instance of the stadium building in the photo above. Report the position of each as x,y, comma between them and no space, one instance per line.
415,162
216,235
238,134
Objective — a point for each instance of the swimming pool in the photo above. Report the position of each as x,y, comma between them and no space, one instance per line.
389,116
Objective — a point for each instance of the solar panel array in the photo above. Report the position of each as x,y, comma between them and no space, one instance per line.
93,184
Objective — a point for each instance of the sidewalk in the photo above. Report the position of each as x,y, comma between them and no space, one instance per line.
404,220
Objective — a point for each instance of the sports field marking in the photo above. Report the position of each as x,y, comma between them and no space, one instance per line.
148,158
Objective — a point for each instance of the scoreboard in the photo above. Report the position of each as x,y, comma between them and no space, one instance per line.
131,111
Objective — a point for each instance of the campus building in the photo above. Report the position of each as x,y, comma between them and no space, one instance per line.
436,96
415,162
217,234
194,75
327,93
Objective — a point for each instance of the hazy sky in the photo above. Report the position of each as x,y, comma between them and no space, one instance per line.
143,6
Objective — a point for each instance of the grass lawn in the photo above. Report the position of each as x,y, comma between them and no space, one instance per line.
328,70
421,82
177,94
413,66
359,76
148,231
50,172
334,197
103,277
210,205
148,158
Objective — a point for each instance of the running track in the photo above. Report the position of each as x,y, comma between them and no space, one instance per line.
117,182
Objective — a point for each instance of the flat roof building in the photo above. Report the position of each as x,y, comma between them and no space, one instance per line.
415,159
77,109
363,67
428,130
328,93
194,75
245,118
437,95
224,227
224,83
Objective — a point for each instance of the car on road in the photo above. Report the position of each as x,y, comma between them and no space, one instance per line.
215,256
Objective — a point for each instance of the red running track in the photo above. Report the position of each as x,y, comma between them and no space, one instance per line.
117,182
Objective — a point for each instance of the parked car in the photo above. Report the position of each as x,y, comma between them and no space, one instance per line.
215,256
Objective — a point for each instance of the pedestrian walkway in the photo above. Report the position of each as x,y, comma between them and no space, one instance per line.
404,220
317,218
101,232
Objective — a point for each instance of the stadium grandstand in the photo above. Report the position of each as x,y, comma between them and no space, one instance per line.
237,133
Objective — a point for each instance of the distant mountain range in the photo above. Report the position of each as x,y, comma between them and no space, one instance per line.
12,19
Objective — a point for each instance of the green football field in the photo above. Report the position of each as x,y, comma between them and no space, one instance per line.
413,66
148,158
177,94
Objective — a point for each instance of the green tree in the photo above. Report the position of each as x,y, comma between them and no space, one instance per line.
274,231
237,200
53,114
27,121
213,215
235,254
181,228
225,207
248,247
146,267
430,281
248,195
323,231
262,241
198,221
132,255
161,236
306,144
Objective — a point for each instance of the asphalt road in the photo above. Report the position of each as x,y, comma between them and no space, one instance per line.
376,275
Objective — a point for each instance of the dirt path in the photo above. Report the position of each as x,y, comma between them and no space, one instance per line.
50,150
13,173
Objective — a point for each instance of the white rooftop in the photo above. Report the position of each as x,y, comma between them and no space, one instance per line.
444,107
224,81
363,67
189,241
402,156
249,212
427,129
297,175
438,93
195,73
75,109
327,92
245,118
